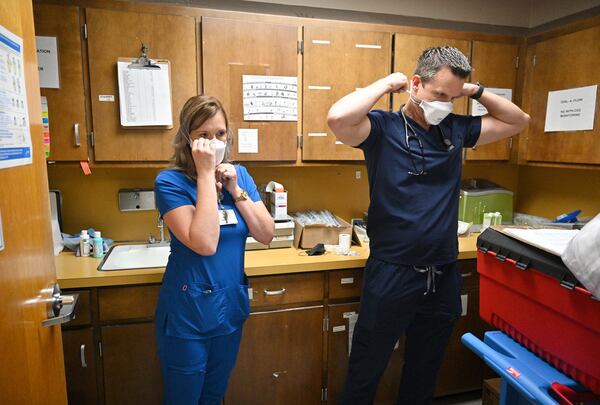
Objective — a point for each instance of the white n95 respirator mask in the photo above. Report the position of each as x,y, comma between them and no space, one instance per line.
220,148
434,111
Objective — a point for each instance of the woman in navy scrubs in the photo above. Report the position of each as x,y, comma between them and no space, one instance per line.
210,206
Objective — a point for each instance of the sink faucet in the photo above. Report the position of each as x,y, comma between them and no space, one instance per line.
152,242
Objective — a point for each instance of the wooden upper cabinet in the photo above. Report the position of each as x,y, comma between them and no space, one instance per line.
407,50
336,63
494,65
66,105
561,63
232,48
114,34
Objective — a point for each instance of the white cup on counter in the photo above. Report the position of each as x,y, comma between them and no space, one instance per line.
344,243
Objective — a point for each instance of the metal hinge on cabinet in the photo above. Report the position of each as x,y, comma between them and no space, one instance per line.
516,62
85,30
534,56
300,48
300,142
323,394
92,138
100,348
510,142
325,324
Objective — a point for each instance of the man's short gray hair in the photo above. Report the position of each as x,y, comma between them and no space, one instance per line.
433,59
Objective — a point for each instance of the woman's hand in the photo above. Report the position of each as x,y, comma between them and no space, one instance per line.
226,176
203,153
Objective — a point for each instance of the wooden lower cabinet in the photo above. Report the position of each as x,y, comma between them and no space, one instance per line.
294,349
80,366
280,359
130,364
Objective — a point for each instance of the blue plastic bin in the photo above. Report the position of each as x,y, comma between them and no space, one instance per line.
526,378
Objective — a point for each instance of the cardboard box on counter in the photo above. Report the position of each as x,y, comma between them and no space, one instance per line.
307,236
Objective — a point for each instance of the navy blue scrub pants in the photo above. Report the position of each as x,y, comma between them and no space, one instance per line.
195,371
424,303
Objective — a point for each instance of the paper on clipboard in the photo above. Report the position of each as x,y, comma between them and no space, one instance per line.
144,94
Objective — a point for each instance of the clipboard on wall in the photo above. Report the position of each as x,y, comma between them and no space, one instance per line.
145,98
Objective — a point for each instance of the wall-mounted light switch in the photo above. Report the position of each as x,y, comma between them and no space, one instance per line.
136,199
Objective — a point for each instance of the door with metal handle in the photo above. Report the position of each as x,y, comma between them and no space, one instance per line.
61,308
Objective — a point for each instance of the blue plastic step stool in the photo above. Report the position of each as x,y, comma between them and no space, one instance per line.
526,378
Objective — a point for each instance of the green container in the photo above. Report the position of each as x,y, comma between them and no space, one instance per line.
478,197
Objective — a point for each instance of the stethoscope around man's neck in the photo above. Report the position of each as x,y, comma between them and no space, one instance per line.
446,143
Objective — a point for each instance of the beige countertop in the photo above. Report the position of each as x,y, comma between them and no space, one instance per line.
80,272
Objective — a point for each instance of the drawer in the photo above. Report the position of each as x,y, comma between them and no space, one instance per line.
83,312
345,283
116,303
468,270
287,289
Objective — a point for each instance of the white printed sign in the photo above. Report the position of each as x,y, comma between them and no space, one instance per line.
477,109
571,109
247,140
47,57
270,98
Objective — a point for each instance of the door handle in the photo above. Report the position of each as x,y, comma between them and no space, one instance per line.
61,308
76,134
275,292
82,356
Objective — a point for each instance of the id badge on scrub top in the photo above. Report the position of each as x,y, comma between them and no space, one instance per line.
227,217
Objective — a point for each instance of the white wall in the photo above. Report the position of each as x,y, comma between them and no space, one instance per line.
512,13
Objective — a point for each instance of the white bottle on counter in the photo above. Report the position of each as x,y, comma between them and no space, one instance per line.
84,240
98,245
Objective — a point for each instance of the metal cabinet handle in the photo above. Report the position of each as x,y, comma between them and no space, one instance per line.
76,134
275,292
465,275
82,356
61,308
278,374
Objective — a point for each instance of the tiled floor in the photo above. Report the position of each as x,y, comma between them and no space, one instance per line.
472,398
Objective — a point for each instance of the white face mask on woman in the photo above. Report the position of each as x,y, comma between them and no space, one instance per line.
434,111
220,147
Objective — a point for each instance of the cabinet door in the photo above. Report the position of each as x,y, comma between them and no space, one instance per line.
280,359
130,362
114,34
338,350
80,366
561,63
336,63
494,65
232,48
66,105
407,50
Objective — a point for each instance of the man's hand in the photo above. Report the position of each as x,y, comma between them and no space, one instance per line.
396,82
469,89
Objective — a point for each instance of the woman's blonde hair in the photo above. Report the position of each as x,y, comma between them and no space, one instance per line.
195,112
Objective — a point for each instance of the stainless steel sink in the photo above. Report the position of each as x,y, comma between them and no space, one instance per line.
127,257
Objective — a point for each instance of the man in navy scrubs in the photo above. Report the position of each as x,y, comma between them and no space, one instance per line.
414,163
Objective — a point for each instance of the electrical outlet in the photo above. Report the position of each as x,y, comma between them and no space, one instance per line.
357,174
136,200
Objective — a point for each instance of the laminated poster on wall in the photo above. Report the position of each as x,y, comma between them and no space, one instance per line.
270,98
15,135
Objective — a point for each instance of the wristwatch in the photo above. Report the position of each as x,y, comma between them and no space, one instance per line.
479,91
242,197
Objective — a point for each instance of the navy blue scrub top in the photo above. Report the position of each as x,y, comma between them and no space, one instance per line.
413,220
203,296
